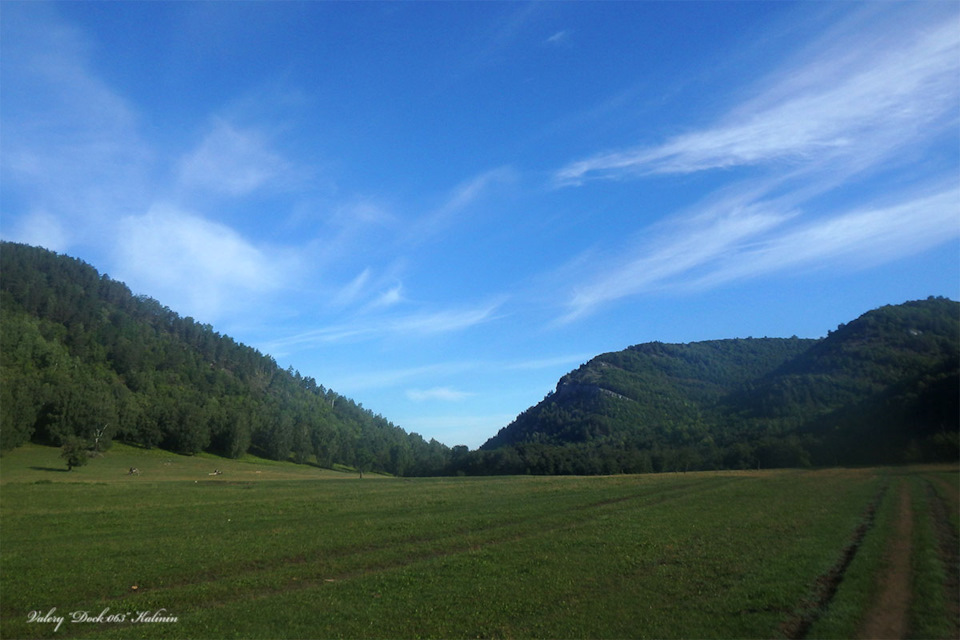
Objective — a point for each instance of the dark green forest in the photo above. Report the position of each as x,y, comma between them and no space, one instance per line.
882,389
82,358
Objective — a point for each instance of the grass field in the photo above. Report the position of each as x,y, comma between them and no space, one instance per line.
272,550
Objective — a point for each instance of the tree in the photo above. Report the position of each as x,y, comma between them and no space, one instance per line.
74,452
364,461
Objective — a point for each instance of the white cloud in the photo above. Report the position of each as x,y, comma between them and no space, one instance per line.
859,238
726,243
443,394
427,323
445,321
861,99
232,161
678,249
198,267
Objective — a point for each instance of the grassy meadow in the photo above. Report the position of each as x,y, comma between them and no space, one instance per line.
274,550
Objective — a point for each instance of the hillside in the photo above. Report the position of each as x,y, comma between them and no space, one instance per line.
83,357
646,390
882,388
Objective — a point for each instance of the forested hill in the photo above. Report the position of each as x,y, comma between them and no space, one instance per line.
81,356
883,388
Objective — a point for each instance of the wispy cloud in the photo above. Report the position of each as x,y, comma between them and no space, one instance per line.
549,363
558,38
432,322
389,378
861,99
232,161
352,291
380,378
762,238
442,394
421,324
459,201
675,250
858,238
850,108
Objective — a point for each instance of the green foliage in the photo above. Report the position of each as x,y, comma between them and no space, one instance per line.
884,388
74,451
82,356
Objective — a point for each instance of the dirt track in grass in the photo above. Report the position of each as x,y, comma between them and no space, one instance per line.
888,617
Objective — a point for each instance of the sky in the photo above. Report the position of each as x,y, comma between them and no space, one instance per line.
439,208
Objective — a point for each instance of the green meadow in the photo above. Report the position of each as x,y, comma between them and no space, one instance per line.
276,550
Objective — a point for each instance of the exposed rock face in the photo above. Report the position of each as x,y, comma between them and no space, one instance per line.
566,388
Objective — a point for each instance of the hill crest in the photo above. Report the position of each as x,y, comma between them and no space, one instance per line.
757,401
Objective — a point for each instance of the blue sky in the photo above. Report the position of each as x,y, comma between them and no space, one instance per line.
438,209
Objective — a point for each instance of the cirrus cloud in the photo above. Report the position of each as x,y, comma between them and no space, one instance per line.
851,110
860,100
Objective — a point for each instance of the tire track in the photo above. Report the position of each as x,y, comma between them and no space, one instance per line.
888,616
826,585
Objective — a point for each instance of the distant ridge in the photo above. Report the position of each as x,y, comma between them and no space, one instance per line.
881,389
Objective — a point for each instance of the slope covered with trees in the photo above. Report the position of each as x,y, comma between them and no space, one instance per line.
82,357
84,360
883,388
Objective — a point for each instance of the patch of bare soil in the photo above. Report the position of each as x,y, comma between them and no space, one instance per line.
888,616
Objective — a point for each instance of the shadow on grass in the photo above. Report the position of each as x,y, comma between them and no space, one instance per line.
49,469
